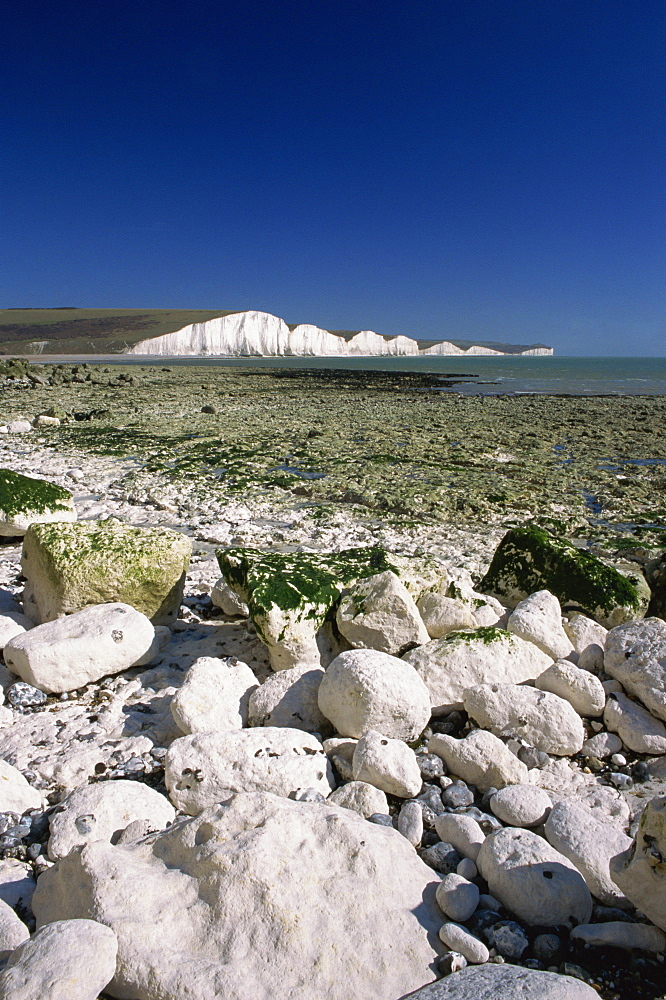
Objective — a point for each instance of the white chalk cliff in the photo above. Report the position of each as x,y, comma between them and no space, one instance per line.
259,334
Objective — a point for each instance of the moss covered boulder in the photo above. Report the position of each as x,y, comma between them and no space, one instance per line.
290,595
530,559
25,501
69,566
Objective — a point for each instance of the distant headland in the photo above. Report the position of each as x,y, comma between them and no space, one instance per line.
207,333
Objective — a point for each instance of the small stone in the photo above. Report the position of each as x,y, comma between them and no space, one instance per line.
547,948
452,962
22,695
456,795
432,797
467,869
602,745
360,796
457,897
619,934
480,759
387,764
509,939
531,757
410,823
619,780
380,819
459,939
538,619
463,832
430,765
636,727
442,857
521,805
640,771
618,759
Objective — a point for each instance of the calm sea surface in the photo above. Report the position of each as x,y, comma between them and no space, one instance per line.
484,375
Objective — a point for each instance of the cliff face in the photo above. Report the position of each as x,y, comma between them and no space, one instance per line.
259,334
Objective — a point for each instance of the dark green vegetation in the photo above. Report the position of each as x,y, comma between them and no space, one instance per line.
23,493
531,559
385,447
291,581
90,331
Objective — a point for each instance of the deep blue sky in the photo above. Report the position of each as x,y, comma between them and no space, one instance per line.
488,169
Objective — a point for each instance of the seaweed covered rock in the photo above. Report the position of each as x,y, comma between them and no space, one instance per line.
25,501
261,892
655,573
462,659
290,594
69,566
530,559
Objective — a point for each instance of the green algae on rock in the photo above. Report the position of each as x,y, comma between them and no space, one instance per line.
69,566
530,559
289,594
25,501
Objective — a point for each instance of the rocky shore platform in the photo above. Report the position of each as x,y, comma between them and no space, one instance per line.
328,689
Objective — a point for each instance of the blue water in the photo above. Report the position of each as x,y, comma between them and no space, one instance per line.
477,375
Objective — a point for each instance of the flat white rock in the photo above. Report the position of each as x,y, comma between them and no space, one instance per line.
205,768
480,759
65,959
538,619
619,934
98,812
264,891
387,764
460,660
637,728
289,698
578,834
365,689
214,696
583,691
71,651
542,719
16,795
635,655
533,880
378,612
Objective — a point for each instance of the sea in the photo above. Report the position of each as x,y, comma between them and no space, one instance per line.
485,375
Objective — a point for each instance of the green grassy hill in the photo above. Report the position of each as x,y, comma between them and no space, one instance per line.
90,331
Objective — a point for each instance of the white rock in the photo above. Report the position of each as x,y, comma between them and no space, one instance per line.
98,812
68,653
592,659
489,613
19,426
458,898
365,689
542,719
12,624
13,931
225,905
212,767
521,805
580,688
635,726
602,745
227,600
16,884
16,795
636,656
410,823
363,798
538,619
584,632
450,665
467,869
589,844
505,982
480,759
612,686
387,764
378,612
619,934
442,615
640,870
459,939
462,832
65,959
43,420
533,880
215,696
289,698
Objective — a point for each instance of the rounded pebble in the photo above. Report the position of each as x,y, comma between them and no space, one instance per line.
467,869
457,795
22,695
521,805
457,897
508,939
459,939
410,822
